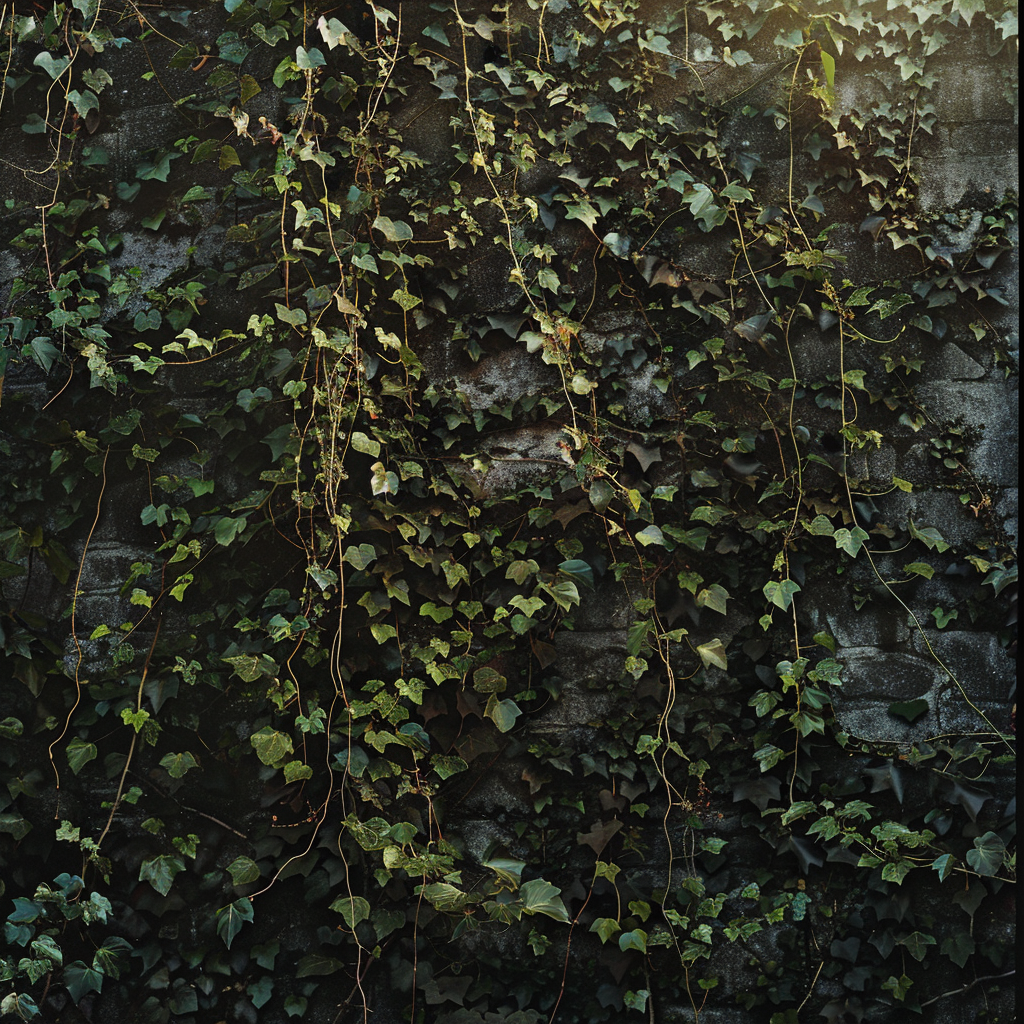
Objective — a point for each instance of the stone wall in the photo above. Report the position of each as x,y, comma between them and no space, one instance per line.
570,779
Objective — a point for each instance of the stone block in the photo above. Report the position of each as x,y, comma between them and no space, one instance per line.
519,458
987,405
950,362
873,679
1007,503
981,666
984,138
829,606
966,91
505,376
946,181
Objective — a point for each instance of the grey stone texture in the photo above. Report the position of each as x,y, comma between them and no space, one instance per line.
965,676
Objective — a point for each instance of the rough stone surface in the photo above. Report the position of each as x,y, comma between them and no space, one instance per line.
887,659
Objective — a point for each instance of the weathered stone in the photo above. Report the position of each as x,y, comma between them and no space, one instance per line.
962,94
505,376
872,680
990,406
946,182
950,362
980,669
829,606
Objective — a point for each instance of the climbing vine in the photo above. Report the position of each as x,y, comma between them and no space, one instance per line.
491,417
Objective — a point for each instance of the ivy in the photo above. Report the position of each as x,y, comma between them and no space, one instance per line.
473,474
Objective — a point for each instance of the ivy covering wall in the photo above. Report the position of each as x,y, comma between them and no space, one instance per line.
507,511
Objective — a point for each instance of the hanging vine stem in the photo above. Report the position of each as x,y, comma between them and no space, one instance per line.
135,736
74,631
830,292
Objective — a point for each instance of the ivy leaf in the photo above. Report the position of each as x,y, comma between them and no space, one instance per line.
231,918
109,958
987,856
599,835
253,275
315,964
564,592
896,871
160,871
959,947
25,911
911,710
504,714
605,927
578,570
921,569
916,944
618,245
79,753
850,541
447,765
828,64
581,211
899,987
529,606
333,32
443,896
598,113
968,8
248,667
521,569
736,192
20,1005
825,640
296,317
713,597
819,526
197,193
359,557
260,991
227,528
713,653
353,909
383,481
15,825
308,60
79,979
768,756
271,746
373,834
243,870
760,792
295,1006
178,764
489,680
392,230
781,594
887,307
54,68
541,897
636,939
651,535
382,632
439,613
297,770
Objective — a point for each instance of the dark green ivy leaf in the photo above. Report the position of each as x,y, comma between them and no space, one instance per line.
160,871
911,710
987,856
541,897
231,918
79,979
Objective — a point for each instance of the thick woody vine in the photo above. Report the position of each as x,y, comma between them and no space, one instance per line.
346,554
